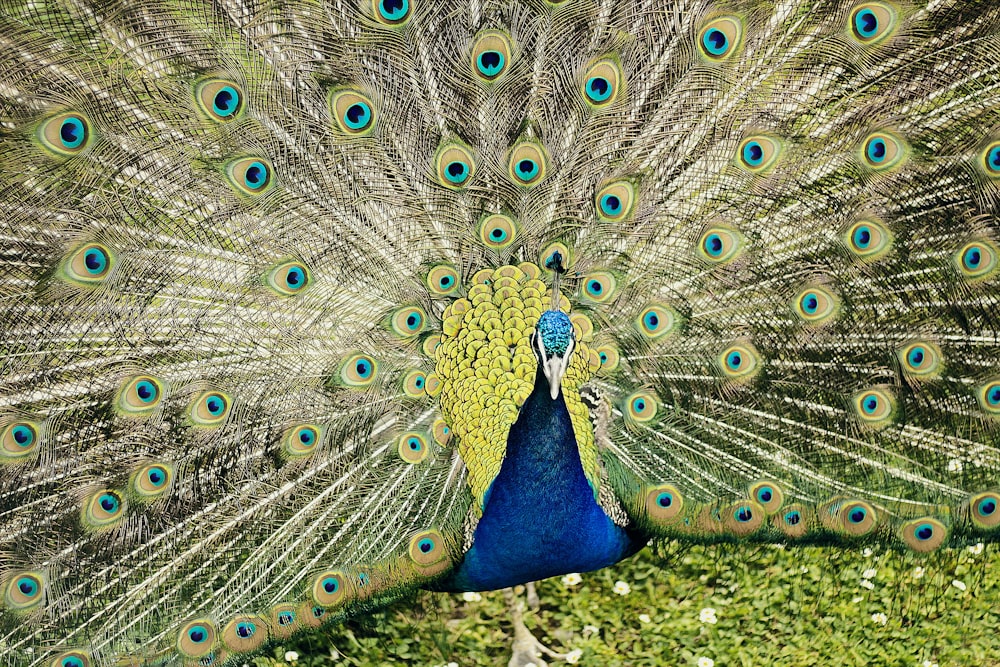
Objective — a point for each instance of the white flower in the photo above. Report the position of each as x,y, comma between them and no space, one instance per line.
880,618
644,618
918,572
866,552
291,656
621,588
706,662
470,596
955,465
805,570
572,579
960,585
707,615
865,583
976,549
928,663
590,630
856,600
869,573
452,664
573,656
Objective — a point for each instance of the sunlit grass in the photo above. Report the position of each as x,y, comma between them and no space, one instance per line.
793,606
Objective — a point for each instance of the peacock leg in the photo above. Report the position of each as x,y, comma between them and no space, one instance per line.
526,649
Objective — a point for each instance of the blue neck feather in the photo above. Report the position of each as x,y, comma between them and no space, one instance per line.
540,517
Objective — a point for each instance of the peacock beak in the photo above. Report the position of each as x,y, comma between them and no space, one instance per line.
555,366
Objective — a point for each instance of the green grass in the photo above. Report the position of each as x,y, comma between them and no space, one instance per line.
793,606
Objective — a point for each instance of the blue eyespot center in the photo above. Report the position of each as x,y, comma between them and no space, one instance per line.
456,171
866,23
924,532
993,159
599,89
72,132
95,260
743,514
595,287
793,518
713,245
972,258
226,102
753,153
862,237
157,476
393,10
611,205
639,405
286,618
198,634
414,444
993,395
665,499
295,277
734,360
23,435
651,321
363,369
255,176
425,545
27,586
490,63
987,506
72,661
876,150
215,405
857,515
331,585
446,282
715,42
146,391
810,303
245,629
764,494
870,403
916,356
357,116
527,169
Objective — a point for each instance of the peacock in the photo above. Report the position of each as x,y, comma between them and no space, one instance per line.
308,304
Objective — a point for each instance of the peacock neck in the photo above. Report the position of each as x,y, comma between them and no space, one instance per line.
540,516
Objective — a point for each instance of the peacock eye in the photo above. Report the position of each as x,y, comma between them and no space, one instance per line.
759,153
221,100
497,231
288,278
442,280
412,447
251,176
491,55
615,201
65,134
719,39
527,164
392,12
353,112
599,287
455,166
883,151
601,83
872,22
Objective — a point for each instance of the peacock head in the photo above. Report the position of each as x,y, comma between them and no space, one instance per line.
553,344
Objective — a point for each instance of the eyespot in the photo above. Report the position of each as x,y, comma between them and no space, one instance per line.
743,518
923,535
663,503
18,441
984,509
441,432
244,633
609,357
103,509
408,322
657,321
139,396
872,22
759,153
739,361
491,55
24,590
598,287
220,100
428,552
89,264
288,278
720,38
72,659
412,447
455,166
414,383
251,175
768,495
815,305
640,407
497,231
883,151
601,83
547,257
196,638
358,370
284,619
990,160
66,134
583,327
856,517
330,588
920,359
210,408
989,397
301,440
615,201
392,12
527,164
353,112
720,245
868,239
874,407
792,521
443,280
977,260
152,480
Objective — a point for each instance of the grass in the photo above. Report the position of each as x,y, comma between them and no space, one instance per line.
786,606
